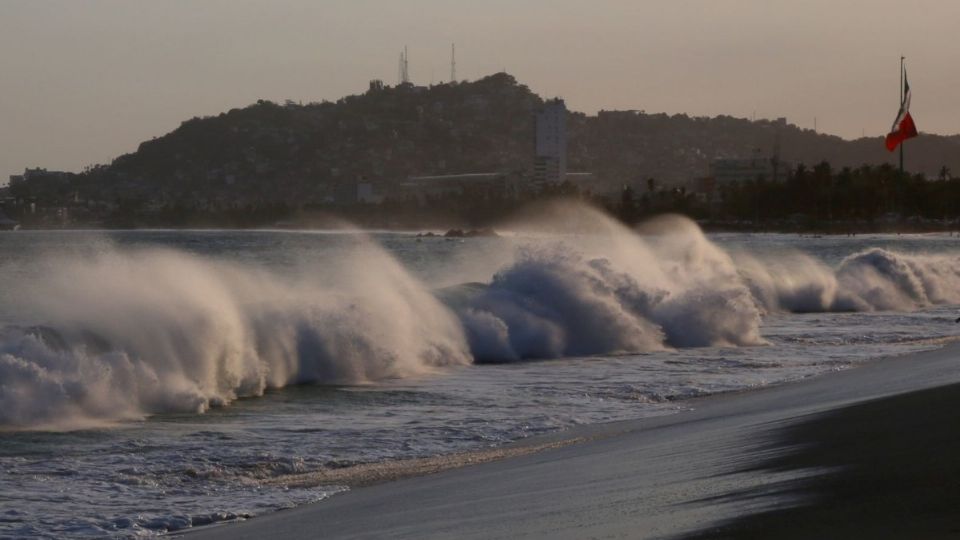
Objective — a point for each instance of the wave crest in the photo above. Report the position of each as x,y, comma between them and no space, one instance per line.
127,333
181,333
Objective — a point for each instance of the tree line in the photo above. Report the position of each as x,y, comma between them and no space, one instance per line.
817,197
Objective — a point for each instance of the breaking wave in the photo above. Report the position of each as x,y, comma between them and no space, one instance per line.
127,333
611,293
871,280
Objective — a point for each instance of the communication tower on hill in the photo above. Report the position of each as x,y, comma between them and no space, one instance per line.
453,62
404,67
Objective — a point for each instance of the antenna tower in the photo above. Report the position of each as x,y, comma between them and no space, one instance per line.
404,67
453,62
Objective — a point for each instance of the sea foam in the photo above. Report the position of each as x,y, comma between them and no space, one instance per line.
127,333
124,332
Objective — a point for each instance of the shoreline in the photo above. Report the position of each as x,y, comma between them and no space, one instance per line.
370,474
662,476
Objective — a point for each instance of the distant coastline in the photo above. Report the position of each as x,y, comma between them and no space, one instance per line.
439,230
462,154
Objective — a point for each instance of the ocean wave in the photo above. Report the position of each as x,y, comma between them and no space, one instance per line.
874,279
131,333
126,333
611,291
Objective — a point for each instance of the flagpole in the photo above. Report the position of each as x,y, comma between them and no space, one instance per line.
901,104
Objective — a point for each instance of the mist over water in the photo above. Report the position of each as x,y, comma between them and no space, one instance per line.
874,279
122,333
126,333
611,291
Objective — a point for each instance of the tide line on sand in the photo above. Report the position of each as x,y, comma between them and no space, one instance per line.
367,474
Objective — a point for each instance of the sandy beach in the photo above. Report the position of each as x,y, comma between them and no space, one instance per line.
868,452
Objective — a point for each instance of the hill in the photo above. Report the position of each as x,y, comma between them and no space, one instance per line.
306,154
302,153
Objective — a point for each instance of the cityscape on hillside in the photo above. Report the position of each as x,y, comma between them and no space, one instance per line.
470,152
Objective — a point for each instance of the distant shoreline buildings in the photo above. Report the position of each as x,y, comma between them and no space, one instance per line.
727,171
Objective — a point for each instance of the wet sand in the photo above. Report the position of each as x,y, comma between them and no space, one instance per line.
871,452
368,474
890,469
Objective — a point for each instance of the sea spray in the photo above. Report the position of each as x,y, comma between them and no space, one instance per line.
551,302
789,281
878,279
127,332
871,280
182,333
609,291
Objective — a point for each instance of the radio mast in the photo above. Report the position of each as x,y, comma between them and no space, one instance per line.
453,62
404,77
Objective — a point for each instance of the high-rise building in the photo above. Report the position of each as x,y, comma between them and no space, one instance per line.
550,155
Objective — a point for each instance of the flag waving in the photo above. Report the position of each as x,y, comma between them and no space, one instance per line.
903,127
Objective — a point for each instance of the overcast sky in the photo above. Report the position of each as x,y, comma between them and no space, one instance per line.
84,81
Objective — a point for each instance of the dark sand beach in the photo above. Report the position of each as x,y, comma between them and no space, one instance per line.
870,452
891,470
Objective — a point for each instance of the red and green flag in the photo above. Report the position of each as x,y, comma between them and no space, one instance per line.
903,127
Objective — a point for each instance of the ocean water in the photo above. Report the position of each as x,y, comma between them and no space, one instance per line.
152,381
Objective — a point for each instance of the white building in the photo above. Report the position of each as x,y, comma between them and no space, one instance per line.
550,162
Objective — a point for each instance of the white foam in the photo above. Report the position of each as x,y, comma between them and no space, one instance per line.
177,332
125,333
612,291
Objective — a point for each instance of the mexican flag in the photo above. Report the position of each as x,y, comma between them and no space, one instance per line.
903,127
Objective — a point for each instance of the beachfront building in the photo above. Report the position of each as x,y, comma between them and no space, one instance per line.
550,155
730,170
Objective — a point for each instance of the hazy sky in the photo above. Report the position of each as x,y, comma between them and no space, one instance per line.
84,81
